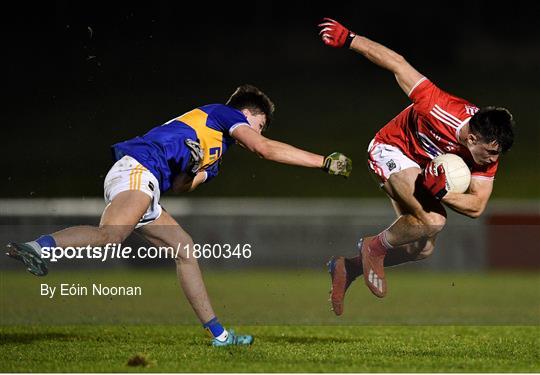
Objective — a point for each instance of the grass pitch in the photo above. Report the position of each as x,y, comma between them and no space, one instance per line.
276,349
428,323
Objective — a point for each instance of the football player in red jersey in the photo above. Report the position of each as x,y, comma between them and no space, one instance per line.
400,156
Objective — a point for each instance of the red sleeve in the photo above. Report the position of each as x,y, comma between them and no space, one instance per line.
485,172
425,95
438,106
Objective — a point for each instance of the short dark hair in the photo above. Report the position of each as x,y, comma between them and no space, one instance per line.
250,97
494,124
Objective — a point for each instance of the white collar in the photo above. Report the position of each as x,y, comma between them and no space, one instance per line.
458,130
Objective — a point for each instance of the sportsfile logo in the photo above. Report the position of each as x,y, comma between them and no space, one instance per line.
118,251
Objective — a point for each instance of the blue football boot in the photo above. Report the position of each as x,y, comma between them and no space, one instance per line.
234,339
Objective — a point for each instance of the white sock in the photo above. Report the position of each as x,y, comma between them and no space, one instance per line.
223,336
34,245
384,240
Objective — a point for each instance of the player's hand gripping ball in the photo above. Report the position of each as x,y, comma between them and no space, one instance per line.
434,180
458,174
337,164
334,34
446,173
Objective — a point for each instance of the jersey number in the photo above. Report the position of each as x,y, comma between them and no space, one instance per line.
215,153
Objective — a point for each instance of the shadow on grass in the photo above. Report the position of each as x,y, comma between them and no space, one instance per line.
28,338
307,339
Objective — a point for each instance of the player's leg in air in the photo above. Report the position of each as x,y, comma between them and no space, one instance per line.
132,199
118,220
410,238
420,217
166,232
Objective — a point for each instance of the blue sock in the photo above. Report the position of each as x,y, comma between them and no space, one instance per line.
46,241
214,326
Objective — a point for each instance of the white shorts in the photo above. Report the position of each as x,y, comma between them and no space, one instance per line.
128,174
385,160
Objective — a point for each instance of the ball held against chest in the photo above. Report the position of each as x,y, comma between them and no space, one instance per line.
458,174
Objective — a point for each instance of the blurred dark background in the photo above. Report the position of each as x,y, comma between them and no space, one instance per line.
81,76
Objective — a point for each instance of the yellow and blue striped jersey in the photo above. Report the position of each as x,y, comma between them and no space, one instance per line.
163,151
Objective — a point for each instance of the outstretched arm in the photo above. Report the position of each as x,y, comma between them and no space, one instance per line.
336,35
405,74
276,151
286,154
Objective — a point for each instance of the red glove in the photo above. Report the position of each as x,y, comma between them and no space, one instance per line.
334,34
434,180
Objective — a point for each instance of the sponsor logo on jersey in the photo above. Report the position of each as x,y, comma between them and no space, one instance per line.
429,146
435,135
471,110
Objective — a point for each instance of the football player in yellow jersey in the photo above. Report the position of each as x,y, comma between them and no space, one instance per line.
179,156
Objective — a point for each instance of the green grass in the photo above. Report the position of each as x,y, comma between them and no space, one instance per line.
429,322
276,349
266,297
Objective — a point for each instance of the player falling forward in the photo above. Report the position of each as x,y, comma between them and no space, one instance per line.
179,156
400,156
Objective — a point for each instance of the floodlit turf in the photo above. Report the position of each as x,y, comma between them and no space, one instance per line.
430,322
277,348
264,297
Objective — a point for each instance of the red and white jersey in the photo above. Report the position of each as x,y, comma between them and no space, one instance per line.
430,127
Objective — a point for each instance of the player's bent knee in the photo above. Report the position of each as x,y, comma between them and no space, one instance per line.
433,223
426,251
